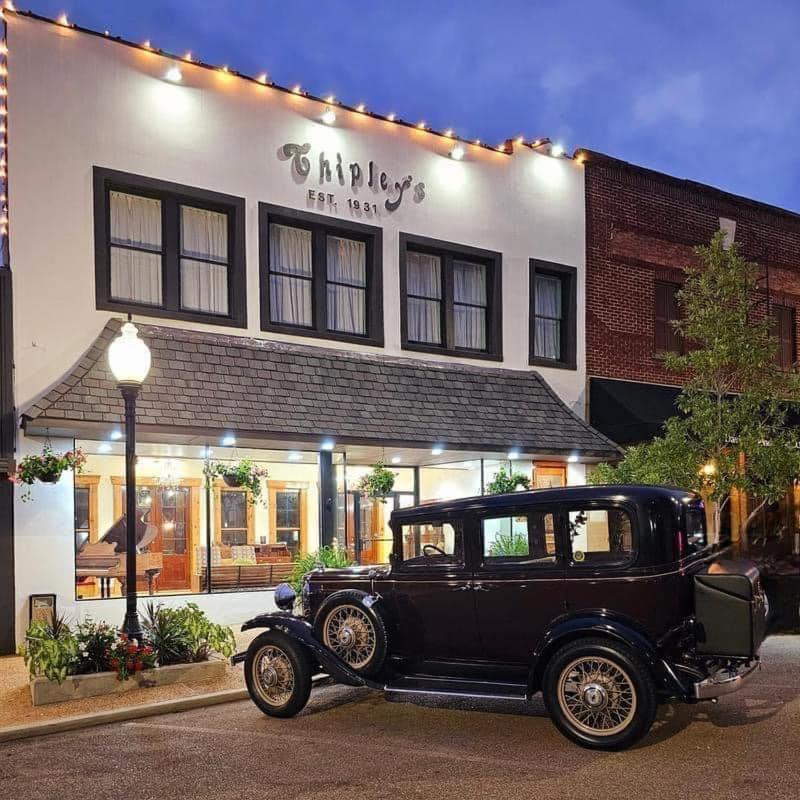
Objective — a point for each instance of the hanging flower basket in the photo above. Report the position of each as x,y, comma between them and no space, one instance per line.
504,482
378,483
47,468
240,475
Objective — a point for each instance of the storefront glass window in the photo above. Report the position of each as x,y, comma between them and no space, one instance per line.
193,534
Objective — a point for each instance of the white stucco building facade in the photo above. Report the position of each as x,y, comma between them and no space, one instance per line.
92,120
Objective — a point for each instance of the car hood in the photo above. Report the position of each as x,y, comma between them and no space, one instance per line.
345,573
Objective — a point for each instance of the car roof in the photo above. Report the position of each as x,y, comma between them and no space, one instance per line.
569,494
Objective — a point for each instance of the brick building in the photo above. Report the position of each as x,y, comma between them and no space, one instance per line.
641,226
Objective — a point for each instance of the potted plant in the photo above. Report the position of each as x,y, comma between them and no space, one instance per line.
243,474
378,483
47,467
504,482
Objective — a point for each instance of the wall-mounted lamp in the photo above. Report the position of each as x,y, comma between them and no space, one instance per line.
457,153
328,116
174,74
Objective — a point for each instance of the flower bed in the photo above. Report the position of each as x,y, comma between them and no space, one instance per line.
67,663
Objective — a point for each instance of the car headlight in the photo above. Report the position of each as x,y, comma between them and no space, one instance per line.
285,597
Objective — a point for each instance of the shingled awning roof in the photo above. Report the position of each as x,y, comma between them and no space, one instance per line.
215,382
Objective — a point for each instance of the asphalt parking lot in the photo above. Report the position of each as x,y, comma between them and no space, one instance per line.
351,743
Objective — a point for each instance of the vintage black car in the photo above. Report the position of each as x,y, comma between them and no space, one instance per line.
607,599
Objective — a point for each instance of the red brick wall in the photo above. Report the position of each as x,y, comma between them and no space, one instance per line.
641,227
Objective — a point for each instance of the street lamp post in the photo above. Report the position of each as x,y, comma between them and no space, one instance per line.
129,360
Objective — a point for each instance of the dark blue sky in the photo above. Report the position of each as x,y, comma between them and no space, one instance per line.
705,89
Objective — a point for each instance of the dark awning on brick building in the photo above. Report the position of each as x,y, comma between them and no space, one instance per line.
206,383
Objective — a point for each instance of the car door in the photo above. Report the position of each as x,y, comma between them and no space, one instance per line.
519,581
432,593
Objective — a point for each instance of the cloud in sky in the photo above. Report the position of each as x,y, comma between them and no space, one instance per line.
702,90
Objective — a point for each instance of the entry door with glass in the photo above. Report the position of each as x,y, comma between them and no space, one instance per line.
369,538
168,508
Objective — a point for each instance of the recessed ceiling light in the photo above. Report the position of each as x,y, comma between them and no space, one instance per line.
573,458
437,450
229,440
116,435
328,445
513,453
396,459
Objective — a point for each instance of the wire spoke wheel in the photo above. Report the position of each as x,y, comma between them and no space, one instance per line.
274,675
349,632
597,696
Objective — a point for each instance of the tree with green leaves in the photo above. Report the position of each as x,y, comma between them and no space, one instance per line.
731,433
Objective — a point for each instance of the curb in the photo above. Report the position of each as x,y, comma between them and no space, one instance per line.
47,727
17,732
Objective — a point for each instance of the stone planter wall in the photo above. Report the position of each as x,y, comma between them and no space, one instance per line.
76,687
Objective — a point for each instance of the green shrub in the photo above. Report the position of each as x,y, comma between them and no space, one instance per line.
50,649
509,544
305,562
185,634
504,482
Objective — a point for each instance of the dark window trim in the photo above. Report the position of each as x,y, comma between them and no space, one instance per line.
494,297
680,345
569,317
777,310
106,180
373,238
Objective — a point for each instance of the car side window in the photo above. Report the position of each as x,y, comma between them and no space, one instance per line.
600,537
524,540
433,543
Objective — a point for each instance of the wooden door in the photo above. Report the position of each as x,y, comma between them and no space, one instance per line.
174,510
549,475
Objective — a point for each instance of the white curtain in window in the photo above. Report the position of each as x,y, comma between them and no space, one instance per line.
469,305
135,248
204,257
290,275
424,282
347,281
547,334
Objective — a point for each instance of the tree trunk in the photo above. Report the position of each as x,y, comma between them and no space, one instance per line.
744,541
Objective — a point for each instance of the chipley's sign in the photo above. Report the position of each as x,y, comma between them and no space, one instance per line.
332,169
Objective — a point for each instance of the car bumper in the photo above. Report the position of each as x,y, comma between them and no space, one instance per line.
725,681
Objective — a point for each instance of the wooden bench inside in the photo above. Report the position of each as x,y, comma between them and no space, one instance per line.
246,576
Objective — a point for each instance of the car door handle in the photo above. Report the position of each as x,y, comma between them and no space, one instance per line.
479,587
463,588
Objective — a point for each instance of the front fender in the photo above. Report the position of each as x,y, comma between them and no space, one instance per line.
599,624
301,631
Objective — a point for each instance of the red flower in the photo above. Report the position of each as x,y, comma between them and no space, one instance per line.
132,648
114,663
139,666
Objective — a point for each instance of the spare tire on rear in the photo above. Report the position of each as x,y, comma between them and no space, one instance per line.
355,632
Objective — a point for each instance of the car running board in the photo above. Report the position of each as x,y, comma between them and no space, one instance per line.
456,687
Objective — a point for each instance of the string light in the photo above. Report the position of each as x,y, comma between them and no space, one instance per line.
297,89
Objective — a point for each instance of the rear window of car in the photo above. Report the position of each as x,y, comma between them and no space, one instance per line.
695,522
600,537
